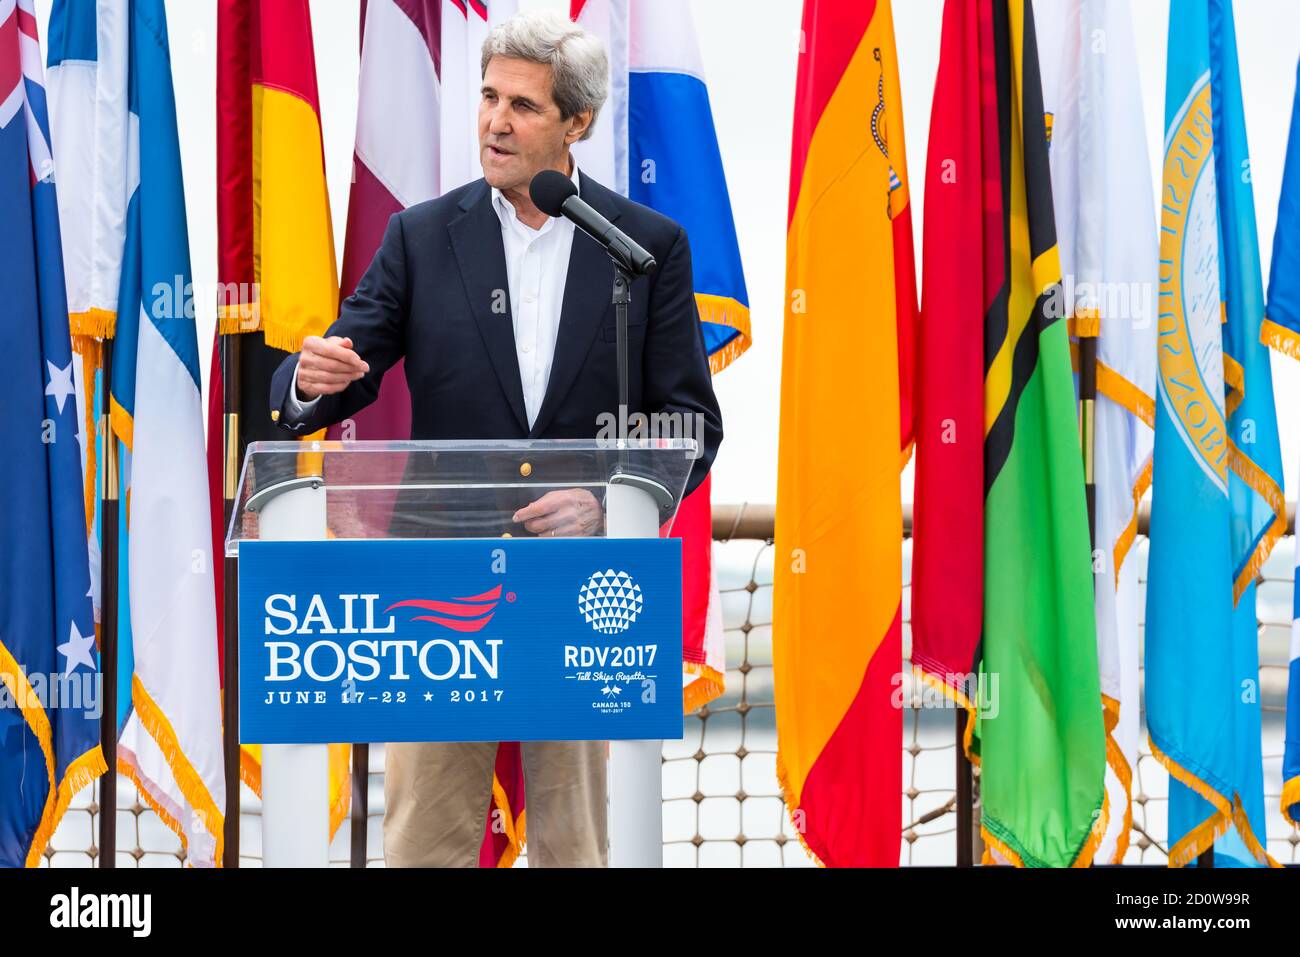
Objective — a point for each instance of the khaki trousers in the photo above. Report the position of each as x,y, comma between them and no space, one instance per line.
436,799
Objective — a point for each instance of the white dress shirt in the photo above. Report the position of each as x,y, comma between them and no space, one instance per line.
537,265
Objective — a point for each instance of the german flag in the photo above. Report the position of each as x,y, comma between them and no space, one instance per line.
850,311
276,267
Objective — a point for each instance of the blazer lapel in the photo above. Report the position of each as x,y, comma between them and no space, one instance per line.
588,288
480,253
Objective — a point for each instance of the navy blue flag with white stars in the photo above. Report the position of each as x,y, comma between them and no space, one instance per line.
49,665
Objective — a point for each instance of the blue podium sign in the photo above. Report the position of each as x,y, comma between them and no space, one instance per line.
460,640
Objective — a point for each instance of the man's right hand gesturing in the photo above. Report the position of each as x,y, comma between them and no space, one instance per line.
326,366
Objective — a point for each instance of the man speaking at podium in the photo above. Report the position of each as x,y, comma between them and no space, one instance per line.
504,318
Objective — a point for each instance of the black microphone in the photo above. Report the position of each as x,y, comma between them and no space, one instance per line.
557,195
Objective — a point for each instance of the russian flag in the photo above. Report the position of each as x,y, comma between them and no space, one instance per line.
654,141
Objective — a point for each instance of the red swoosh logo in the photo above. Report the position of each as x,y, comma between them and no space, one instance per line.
471,613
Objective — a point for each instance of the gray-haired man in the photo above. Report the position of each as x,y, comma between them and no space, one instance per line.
546,370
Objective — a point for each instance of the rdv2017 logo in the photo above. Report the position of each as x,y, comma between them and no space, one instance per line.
610,601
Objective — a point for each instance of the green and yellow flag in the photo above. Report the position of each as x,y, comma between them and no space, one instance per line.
1039,738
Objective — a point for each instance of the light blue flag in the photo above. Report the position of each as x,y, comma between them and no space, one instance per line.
1282,332
1217,506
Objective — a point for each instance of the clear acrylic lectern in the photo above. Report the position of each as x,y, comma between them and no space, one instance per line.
312,491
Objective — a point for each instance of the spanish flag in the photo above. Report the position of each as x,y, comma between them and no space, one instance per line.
851,302
276,268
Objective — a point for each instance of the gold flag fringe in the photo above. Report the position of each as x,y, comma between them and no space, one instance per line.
240,317
514,830
100,323
20,689
960,700
1118,763
1262,483
191,785
1242,823
1200,838
340,755
791,798
129,771
250,772
1083,858
81,772
705,688
1085,323
1290,798
725,311
92,356
1280,337
1234,377
1124,543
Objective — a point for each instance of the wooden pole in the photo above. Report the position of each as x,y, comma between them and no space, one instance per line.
108,497
965,798
1088,435
233,452
360,802
1088,427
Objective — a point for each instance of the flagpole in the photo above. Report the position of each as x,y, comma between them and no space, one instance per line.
1088,434
965,798
1088,427
233,454
108,496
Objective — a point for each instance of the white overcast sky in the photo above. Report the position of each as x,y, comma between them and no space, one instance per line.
750,49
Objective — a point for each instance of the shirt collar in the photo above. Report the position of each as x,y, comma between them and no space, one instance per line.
506,209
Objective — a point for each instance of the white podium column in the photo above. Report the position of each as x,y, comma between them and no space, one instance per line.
295,777
636,828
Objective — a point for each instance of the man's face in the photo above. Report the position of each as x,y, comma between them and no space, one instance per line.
520,132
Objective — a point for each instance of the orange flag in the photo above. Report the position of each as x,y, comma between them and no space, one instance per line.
850,312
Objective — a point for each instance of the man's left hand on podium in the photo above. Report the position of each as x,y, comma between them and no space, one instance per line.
562,513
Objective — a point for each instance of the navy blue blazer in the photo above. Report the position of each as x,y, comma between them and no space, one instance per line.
428,296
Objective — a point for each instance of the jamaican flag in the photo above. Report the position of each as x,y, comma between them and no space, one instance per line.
1039,737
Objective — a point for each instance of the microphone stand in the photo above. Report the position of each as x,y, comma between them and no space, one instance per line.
621,299
622,474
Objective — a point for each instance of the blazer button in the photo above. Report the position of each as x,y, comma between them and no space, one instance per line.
526,470
275,415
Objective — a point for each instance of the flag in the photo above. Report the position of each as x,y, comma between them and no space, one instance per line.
410,146
837,619
655,142
49,665
1002,585
276,269
1039,735
169,741
961,255
1281,330
88,119
1217,506
1106,234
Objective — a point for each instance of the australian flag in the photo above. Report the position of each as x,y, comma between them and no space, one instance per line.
49,665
